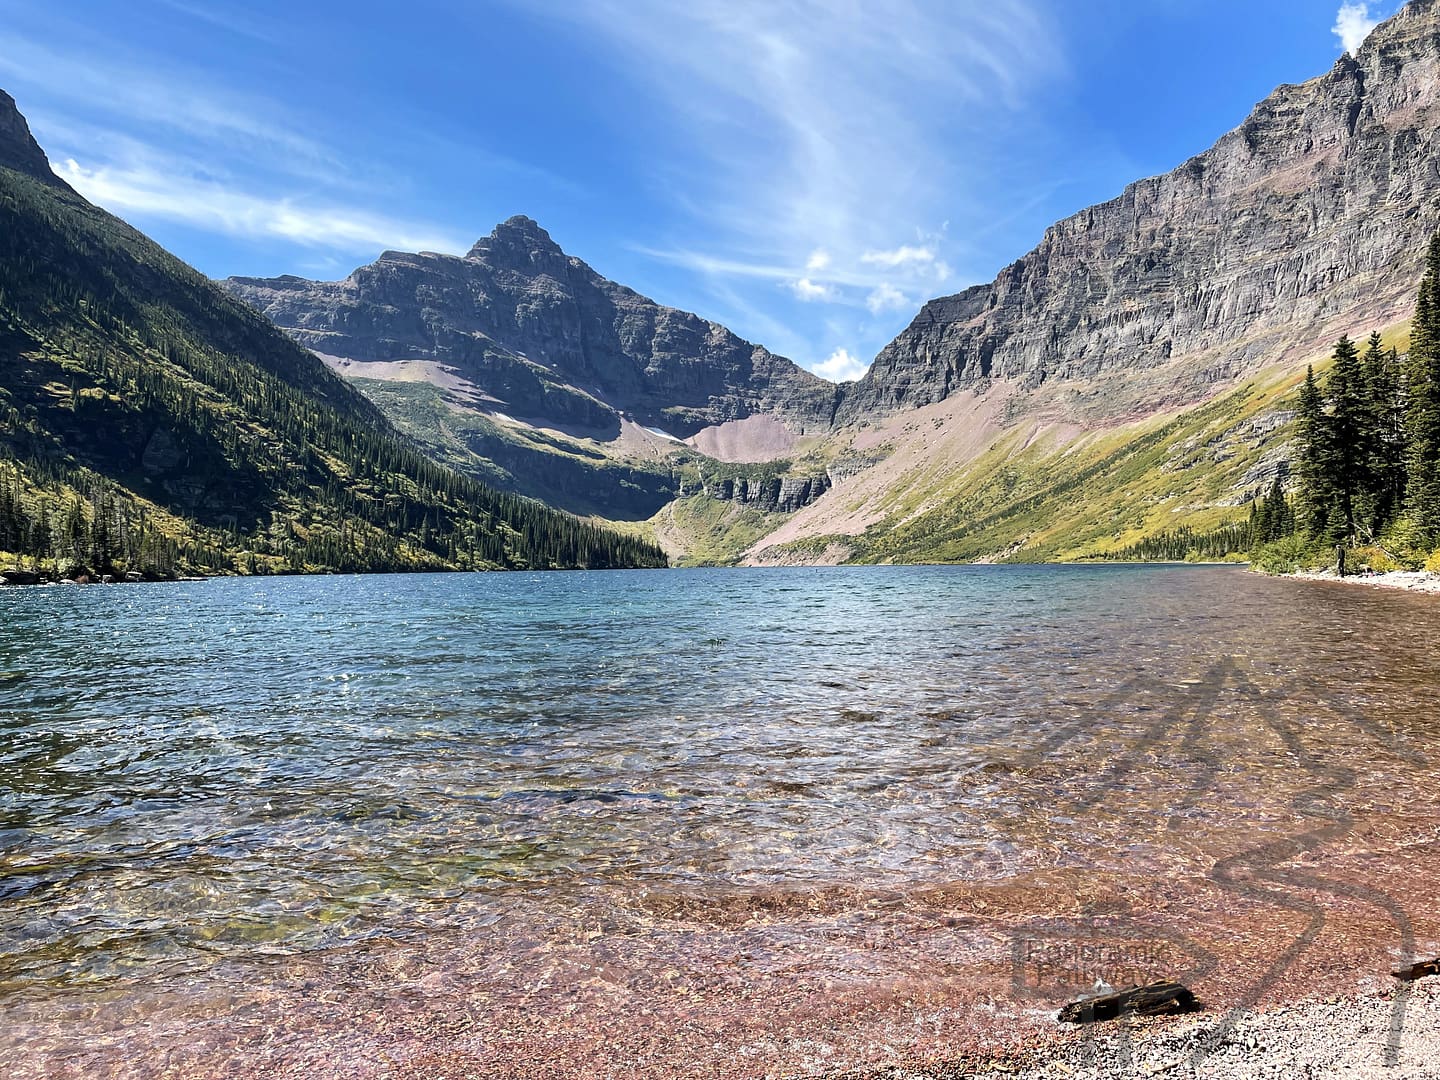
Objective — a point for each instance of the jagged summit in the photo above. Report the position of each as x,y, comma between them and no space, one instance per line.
545,336
517,236
18,148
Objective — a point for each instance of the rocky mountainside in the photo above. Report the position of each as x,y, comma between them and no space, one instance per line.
19,150
150,422
1246,262
1306,220
537,334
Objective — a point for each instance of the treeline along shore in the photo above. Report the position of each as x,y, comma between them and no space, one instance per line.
1361,491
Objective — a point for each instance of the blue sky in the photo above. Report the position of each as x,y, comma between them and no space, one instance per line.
807,172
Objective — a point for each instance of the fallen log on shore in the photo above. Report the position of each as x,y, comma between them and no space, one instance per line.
1417,971
1155,999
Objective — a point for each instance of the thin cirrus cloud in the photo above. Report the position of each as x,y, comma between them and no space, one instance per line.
176,147
901,256
209,205
228,19
130,95
814,140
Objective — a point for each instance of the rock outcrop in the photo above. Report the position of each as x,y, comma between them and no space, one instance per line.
18,148
770,494
545,336
1308,219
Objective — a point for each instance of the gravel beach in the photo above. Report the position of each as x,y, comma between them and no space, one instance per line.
1349,1038
1408,580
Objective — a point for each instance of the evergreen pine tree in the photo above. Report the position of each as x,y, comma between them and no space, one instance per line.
1346,460
1312,495
1422,421
1385,436
1274,520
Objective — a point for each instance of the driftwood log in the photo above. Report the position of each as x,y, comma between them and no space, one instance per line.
1156,999
1418,971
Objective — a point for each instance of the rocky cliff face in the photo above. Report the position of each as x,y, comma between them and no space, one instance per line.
1306,220
545,337
771,494
18,148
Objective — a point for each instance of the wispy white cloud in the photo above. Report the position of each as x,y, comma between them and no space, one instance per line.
226,19
1353,25
819,259
806,290
900,256
922,259
885,297
177,143
819,133
840,366
854,277
207,204
176,100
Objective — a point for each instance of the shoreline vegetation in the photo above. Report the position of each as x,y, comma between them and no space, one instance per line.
1360,492
83,576
1366,469
15,577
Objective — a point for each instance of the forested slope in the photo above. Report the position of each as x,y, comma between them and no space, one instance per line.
151,423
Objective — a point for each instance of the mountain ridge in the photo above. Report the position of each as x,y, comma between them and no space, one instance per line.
543,334
149,421
1303,222
1205,270
1220,278
19,150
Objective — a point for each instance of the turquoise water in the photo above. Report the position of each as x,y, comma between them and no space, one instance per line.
242,768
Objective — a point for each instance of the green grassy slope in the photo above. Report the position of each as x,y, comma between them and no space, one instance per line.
1037,497
1101,493
710,532
573,474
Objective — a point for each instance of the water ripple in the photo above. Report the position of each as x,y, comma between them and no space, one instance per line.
247,766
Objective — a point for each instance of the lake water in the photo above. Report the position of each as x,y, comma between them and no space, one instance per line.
196,776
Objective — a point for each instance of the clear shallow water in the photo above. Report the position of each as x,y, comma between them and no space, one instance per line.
241,767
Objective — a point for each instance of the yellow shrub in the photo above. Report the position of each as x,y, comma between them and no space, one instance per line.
1373,557
1432,564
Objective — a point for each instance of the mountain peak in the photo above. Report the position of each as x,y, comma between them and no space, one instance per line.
18,148
516,237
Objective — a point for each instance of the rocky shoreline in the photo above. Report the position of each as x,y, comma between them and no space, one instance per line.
1408,580
1392,1033
15,577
